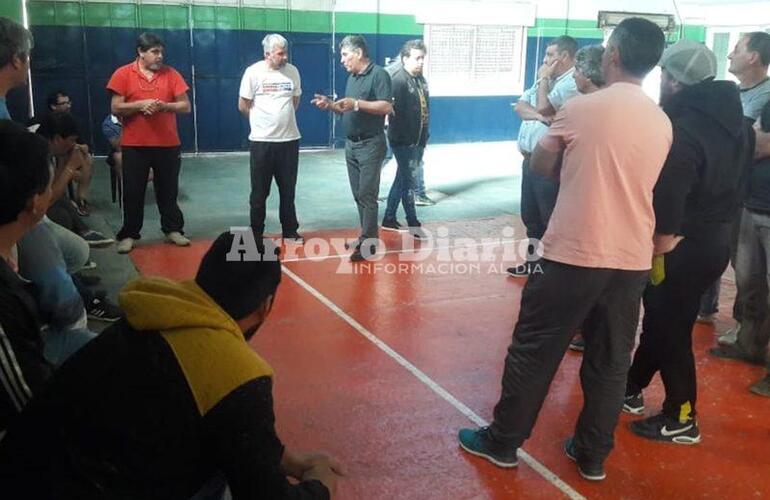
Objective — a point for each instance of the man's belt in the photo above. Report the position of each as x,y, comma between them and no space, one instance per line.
362,137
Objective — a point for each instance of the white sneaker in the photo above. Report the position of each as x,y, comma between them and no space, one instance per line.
730,337
177,239
125,245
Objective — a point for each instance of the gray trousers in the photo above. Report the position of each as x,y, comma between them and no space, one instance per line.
752,276
364,159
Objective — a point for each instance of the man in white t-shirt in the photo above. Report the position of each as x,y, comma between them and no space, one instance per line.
269,96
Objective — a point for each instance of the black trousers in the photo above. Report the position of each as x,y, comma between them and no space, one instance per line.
538,199
554,304
279,160
165,163
670,310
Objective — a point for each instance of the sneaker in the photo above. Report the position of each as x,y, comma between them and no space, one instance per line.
592,472
520,271
176,238
730,337
664,428
423,201
417,233
478,442
293,237
358,255
88,265
633,404
578,343
761,387
83,208
102,309
125,245
732,351
89,279
96,239
393,225
708,319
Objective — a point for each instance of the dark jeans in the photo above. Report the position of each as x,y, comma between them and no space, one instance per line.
538,198
670,310
554,304
165,163
279,160
63,213
402,190
364,160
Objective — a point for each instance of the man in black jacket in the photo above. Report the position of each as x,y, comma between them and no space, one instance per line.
696,199
25,191
408,135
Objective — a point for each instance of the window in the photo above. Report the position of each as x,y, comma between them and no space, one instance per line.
473,60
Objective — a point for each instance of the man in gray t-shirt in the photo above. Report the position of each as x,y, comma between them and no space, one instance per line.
747,341
536,108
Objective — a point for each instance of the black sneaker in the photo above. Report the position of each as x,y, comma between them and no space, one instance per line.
358,255
393,225
417,233
95,238
102,309
520,271
89,279
478,442
664,428
592,472
578,343
423,201
293,237
633,404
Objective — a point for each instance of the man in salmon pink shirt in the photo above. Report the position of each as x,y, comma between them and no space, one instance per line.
147,95
606,149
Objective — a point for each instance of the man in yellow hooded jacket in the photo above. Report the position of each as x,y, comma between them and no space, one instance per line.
167,401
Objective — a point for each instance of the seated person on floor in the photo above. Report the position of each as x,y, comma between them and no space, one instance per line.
167,400
25,189
61,131
60,102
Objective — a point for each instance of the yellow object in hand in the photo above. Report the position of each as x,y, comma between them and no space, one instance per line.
658,271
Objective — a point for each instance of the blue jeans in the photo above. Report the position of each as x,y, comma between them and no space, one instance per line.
60,344
407,158
419,174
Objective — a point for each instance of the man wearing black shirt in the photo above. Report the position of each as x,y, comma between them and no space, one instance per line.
366,103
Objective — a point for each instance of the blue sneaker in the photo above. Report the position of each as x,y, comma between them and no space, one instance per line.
592,472
478,442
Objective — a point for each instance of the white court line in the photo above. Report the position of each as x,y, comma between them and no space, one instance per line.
435,387
408,250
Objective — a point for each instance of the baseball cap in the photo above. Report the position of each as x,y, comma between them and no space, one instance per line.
689,62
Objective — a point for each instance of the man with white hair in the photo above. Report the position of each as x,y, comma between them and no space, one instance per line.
269,97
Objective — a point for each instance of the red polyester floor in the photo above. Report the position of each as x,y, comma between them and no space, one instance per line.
382,366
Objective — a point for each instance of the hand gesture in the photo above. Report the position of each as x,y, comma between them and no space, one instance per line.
345,104
547,70
321,101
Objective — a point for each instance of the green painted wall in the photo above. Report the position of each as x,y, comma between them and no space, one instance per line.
106,15
584,28
11,9
129,15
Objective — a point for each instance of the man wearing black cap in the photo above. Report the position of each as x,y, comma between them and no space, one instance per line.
167,399
695,199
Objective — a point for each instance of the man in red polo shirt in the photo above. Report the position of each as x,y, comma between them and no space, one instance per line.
147,95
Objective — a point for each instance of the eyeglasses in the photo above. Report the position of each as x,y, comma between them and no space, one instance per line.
63,103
